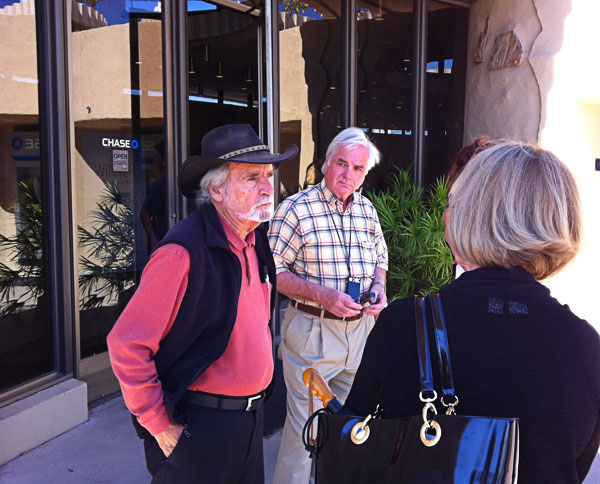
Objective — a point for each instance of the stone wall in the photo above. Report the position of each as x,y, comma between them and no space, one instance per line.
551,97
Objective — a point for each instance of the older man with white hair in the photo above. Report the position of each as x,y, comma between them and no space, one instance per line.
331,260
192,349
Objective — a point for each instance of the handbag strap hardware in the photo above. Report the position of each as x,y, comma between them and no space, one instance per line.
425,437
429,424
427,394
450,407
424,399
426,408
361,431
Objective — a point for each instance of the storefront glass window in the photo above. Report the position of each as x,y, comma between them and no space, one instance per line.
385,83
310,87
25,333
222,68
117,156
445,97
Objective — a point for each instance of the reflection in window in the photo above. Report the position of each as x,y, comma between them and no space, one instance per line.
222,68
310,87
117,157
25,336
385,83
445,81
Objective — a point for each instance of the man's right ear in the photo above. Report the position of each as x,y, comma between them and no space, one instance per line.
217,193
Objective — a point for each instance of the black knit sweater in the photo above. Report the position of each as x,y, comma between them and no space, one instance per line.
515,352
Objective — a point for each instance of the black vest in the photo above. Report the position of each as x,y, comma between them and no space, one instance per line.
203,326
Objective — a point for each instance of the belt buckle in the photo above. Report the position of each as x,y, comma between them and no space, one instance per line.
250,402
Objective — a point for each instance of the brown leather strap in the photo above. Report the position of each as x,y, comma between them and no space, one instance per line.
322,313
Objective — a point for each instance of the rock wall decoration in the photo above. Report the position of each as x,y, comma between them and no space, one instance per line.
478,54
507,51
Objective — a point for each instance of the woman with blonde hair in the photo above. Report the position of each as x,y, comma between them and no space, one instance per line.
513,219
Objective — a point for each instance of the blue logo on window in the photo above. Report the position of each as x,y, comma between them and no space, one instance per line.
17,143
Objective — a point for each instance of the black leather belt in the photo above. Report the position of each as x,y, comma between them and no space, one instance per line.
220,402
322,313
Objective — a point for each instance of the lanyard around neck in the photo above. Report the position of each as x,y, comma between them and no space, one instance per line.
347,247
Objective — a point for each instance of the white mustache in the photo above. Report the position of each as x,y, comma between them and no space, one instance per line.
263,200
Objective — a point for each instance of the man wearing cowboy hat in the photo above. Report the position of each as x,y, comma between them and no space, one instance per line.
192,349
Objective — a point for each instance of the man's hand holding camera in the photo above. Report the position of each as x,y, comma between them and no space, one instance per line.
377,301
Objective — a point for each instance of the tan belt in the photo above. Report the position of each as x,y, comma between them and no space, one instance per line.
322,313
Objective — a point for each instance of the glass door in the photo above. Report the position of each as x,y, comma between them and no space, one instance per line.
26,337
310,86
223,68
118,165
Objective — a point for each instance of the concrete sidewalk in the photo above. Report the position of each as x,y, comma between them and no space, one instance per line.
103,450
106,450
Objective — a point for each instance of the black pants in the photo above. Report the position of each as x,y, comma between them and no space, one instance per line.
218,447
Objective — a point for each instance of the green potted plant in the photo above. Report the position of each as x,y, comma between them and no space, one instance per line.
108,269
22,279
412,220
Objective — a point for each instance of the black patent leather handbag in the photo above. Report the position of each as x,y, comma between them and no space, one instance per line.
427,448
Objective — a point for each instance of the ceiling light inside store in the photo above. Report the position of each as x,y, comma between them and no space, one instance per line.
379,17
219,70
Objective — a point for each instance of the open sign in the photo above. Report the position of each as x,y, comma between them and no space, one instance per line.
120,160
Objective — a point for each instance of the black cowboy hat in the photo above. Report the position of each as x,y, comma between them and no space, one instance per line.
233,142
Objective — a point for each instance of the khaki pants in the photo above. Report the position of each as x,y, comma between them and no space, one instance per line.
334,348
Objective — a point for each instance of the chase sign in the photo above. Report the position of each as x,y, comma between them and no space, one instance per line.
120,143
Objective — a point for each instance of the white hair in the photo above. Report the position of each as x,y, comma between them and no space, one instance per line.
215,177
352,137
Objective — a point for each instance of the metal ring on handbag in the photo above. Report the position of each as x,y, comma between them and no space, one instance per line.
360,432
438,433
430,424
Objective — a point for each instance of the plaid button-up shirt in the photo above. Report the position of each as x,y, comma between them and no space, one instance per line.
314,237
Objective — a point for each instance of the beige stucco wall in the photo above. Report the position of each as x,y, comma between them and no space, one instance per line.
294,94
552,98
18,60
102,72
572,131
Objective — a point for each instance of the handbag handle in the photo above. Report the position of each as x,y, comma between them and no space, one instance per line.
427,393
443,351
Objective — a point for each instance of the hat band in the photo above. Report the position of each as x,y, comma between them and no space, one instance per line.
226,156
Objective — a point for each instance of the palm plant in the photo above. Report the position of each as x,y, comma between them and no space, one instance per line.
412,220
22,282
108,269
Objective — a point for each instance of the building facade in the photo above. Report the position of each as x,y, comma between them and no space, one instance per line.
101,101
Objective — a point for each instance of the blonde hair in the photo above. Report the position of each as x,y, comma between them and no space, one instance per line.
516,205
